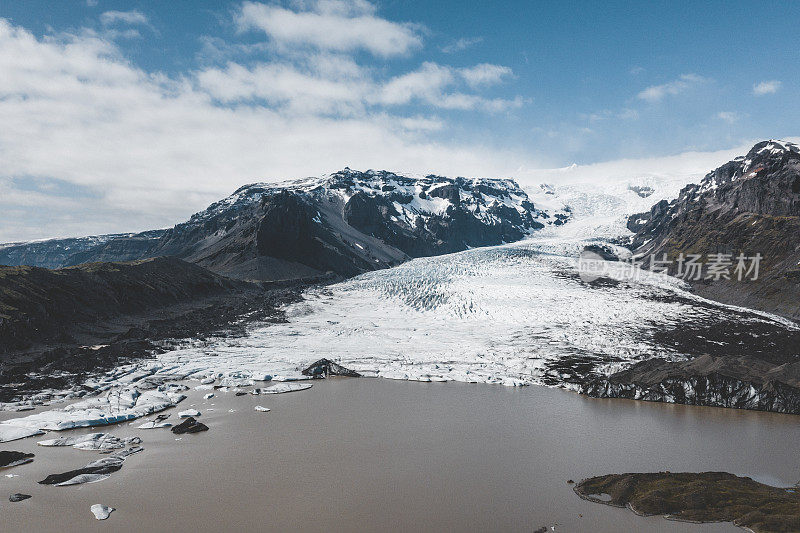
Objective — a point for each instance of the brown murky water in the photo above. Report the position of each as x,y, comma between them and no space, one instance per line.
380,455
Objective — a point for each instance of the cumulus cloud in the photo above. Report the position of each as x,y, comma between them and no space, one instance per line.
147,150
766,87
331,25
656,93
485,74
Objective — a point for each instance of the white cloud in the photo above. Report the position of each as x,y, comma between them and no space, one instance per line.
461,44
728,116
147,150
766,87
484,74
430,83
656,93
124,17
331,25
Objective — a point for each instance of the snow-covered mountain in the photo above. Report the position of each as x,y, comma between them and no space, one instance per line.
346,223
749,206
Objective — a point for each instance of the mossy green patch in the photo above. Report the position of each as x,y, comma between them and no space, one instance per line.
700,497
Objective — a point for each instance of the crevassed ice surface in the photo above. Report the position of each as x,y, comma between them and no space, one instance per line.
513,314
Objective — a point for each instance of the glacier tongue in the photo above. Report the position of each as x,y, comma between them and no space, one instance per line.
514,314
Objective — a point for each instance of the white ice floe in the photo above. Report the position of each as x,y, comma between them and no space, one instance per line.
101,512
116,405
188,413
280,388
208,396
261,408
155,425
82,479
92,441
10,432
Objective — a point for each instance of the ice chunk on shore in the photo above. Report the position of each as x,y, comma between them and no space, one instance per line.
115,406
101,512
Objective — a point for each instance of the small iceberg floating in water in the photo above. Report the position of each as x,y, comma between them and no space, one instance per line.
101,512
92,441
280,388
93,472
9,432
261,408
189,413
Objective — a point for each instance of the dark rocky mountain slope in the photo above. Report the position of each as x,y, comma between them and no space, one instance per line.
346,223
41,304
58,325
748,206
55,253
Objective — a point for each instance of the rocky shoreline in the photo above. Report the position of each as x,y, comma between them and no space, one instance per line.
736,382
66,352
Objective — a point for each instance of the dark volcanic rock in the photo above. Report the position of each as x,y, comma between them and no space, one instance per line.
326,367
18,497
11,458
749,206
190,425
739,382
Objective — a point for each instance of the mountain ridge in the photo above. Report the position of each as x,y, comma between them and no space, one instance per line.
748,206
347,222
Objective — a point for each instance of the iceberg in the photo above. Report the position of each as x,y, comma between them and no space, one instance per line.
280,388
117,405
101,512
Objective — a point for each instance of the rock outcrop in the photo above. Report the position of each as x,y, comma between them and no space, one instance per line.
747,207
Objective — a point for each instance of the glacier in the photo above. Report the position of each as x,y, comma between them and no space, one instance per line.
515,314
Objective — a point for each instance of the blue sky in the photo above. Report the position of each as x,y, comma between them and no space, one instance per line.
129,115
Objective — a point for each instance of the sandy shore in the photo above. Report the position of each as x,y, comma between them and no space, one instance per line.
378,455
